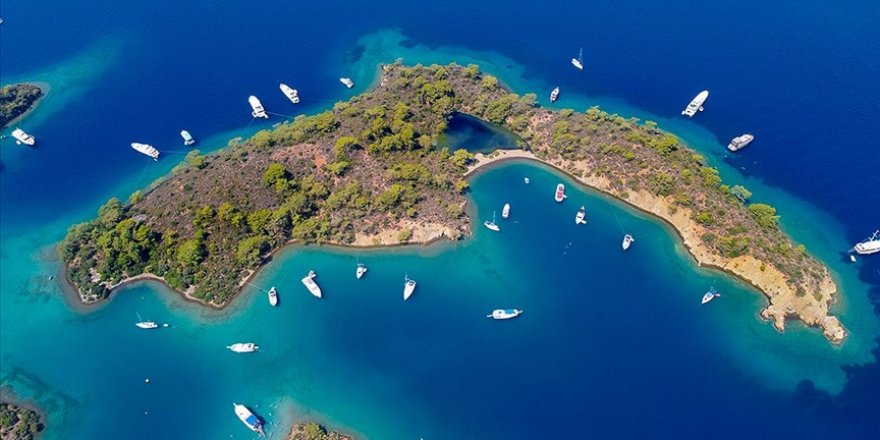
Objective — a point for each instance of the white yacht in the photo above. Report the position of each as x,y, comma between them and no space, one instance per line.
526,180
491,224
696,104
581,217
627,241
500,314
710,295
554,95
273,296
259,111
560,193
740,142
578,62
243,347
23,138
248,418
360,271
870,245
310,284
347,81
505,212
146,149
187,138
147,325
409,286
290,93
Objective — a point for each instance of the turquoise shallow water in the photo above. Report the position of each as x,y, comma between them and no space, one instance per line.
607,336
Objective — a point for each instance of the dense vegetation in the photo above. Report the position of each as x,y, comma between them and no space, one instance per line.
15,100
367,163
314,431
17,423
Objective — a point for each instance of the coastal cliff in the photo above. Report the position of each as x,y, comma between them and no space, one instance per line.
16,100
369,172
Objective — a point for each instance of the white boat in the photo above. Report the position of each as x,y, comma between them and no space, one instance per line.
581,217
243,347
554,95
710,295
360,271
870,245
627,241
526,180
852,258
249,419
500,314
505,212
696,104
740,142
560,193
290,93
578,62
310,284
409,286
273,296
347,81
147,325
146,149
187,138
491,224
23,138
259,111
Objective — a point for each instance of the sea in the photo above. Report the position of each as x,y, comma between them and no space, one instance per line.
611,344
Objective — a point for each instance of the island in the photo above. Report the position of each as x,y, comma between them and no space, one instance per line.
370,172
19,423
16,100
314,431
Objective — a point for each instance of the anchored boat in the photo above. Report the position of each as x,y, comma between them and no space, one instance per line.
273,296
501,314
360,271
491,224
290,93
310,284
710,295
347,81
554,95
248,418
580,218
23,138
505,212
696,104
409,286
627,241
147,325
870,245
560,193
578,62
740,142
257,106
243,347
187,138
146,149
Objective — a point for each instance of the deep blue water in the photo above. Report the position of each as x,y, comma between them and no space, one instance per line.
476,136
611,345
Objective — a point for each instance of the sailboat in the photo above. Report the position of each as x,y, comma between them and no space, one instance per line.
409,286
146,325
491,224
710,295
361,270
310,284
578,62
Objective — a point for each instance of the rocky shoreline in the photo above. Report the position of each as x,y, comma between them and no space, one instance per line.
314,431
